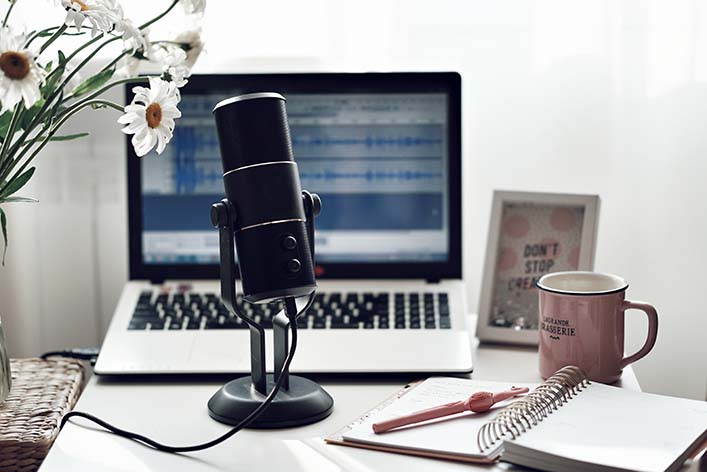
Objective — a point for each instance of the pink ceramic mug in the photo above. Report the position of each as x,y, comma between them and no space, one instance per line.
582,323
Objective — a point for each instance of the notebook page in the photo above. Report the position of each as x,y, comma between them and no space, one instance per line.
618,428
452,435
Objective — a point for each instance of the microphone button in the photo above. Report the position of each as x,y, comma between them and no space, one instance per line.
289,243
293,266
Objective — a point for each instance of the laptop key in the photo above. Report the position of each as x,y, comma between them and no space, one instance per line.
194,324
342,325
137,324
144,313
156,324
175,325
212,324
229,324
319,323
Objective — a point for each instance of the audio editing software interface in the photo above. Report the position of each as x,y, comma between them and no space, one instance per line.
378,161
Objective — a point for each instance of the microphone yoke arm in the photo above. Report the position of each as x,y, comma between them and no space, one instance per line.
224,217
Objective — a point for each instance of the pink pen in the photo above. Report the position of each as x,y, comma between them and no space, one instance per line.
477,402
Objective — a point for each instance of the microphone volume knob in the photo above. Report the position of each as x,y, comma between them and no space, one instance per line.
293,266
289,243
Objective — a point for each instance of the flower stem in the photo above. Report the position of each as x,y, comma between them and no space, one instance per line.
114,61
106,67
105,88
55,128
53,38
84,46
160,16
83,63
37,34
107,103
10,132
7,15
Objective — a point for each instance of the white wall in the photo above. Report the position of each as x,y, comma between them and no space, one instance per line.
602,97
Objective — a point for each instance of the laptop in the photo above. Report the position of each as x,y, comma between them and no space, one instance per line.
383,150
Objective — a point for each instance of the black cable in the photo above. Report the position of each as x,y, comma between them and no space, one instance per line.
84,354
199,447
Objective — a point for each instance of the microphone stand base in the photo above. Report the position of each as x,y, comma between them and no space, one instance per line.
304,402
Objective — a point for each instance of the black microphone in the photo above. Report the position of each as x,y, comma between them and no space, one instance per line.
271,221
262,182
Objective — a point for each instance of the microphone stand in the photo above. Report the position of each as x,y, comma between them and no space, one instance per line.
300,401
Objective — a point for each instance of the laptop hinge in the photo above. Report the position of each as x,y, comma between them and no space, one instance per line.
433,281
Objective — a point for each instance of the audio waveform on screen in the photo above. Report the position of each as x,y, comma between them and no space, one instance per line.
188,177
371,176
368,141
197,165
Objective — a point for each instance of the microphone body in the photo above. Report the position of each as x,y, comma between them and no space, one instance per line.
261,180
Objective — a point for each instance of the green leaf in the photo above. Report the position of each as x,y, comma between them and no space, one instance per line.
28,115
55,77
20,200
69,137
49,86
94,82
17,183
3,223
5,124
65,137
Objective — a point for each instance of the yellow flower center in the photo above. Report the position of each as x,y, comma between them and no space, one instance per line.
14,65
83,6
153,115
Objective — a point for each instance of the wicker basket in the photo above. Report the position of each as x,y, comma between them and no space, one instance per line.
42,391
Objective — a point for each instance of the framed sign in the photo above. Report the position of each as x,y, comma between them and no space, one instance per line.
531,234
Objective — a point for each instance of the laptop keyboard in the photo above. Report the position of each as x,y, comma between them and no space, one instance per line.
159,310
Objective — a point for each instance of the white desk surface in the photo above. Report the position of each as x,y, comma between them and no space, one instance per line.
174,412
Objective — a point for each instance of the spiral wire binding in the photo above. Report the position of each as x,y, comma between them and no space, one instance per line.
522,415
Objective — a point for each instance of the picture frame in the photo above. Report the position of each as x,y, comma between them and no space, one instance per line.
531,234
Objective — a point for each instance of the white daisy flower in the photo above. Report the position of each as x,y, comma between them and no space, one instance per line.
20,76
150,116
133,38
102,14
193,6
192,44
173,61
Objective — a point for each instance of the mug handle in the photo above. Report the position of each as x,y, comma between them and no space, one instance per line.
652,315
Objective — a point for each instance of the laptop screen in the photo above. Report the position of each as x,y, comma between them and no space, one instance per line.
379,160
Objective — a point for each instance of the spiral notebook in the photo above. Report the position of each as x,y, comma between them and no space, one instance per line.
565,423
